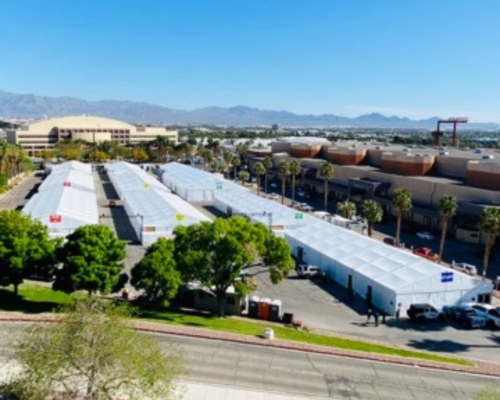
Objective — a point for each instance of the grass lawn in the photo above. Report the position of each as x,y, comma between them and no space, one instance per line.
35,299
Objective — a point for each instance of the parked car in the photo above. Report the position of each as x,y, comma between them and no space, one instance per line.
424,312
390,241
425,235
308,271
464,267
492,314
470,318
426,252
453,312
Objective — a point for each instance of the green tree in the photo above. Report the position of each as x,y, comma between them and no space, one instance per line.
489,224
139,155
91,260
294,171
243,176
156,273
268,164
326,172
447,209
283,172
372,212
92,353
215,253
259,170
401,202
25,249
236,162
346,209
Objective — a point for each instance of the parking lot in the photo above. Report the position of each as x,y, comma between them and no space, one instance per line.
326,306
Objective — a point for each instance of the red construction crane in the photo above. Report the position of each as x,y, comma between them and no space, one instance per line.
438,133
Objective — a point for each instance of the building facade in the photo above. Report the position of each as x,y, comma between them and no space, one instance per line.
43,135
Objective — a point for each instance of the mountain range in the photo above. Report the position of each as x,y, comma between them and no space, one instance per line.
34,106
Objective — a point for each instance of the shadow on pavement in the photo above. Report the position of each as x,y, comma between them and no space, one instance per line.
109,189
342,295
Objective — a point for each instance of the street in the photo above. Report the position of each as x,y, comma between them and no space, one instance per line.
298,373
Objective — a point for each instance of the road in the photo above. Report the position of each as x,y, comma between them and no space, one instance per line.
17,197
312,375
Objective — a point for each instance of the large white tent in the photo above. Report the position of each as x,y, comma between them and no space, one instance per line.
392,276
127,177
156,213
63,209
195,185
64,177
76,165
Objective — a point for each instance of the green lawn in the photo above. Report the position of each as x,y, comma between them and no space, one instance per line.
35,299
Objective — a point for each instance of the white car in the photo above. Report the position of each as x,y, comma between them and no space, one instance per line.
425,235
469,269
489,312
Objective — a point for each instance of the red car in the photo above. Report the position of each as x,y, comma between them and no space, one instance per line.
425,252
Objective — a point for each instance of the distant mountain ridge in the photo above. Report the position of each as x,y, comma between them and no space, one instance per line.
34,106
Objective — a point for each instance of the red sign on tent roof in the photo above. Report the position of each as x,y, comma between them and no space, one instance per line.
55,219
66,183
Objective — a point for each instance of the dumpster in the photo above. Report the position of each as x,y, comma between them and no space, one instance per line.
276,306
253,307
264,308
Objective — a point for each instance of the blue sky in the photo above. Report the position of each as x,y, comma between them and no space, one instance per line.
415,58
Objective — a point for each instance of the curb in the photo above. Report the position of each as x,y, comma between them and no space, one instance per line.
481,368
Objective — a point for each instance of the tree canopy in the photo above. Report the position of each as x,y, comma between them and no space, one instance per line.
91,260
156,274
92,353
26,249
215,253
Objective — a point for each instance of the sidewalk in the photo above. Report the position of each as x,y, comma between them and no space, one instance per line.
480,367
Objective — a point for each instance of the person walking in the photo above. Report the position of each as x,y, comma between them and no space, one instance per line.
375,316
368,315
398,312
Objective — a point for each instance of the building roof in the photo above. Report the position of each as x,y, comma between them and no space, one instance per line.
79,122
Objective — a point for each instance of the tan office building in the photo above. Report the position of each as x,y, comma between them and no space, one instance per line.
42,135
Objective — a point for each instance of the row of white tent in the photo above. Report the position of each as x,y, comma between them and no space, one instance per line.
195,185
152,209
391,276
66,199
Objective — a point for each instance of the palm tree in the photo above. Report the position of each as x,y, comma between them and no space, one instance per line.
268,164
207,156
372,212
236,162
401,202
227,156
243,176
489,224
259,170
294,171
283,171
447,209
163,146
346,209
326,172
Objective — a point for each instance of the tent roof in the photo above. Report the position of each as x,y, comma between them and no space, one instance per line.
75,165
73,177
68,202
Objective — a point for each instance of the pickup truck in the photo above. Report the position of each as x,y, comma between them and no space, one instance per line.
425,252
308,271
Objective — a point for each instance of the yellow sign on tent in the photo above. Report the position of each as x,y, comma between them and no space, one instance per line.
180,217
146,185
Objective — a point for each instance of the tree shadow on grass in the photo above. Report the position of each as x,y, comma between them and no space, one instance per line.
11,302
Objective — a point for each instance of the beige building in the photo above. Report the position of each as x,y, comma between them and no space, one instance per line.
45,134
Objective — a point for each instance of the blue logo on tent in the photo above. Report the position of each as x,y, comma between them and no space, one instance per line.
447,277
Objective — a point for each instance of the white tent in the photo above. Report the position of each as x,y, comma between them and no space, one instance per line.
68,177
75,165
63,209
393,276
155,213
195,185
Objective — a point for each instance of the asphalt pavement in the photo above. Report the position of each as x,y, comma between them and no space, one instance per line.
255,372
17,197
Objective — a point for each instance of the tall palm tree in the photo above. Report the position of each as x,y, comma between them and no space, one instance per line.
283,171
402,203
163,146
227,156
326,172
447,209
259,170
243,176
489,224
346,209
372,212
236,162
294,171
268,164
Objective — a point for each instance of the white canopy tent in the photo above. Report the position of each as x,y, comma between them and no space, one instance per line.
391,275
63,209
155,213
68,177
75,165
195,185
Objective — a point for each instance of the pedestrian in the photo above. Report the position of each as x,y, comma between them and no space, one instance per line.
368,315
398,312
375,316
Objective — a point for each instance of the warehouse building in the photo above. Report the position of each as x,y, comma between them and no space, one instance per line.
43,135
